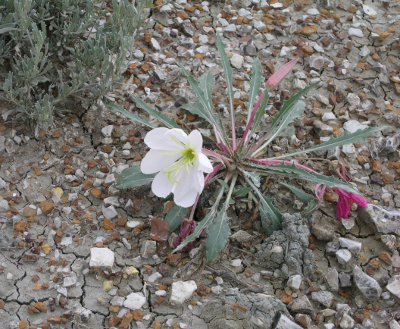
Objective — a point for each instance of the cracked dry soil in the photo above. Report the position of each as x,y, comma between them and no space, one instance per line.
58,197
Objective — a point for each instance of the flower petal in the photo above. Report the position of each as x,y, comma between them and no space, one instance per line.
156,160
166,139
161,185
196,140
361,201
188,186
204,164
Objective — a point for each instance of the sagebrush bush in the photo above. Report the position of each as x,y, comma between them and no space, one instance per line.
61,51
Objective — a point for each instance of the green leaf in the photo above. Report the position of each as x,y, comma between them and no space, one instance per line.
132,116
133,177
168,122
218,235
255,85
227,68
255,178
293,171
175,217
311,201
207,220
206,107
289,104
271,218
241,192
342,140
261,110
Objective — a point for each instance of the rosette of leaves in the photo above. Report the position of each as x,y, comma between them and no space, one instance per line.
240,163
57,54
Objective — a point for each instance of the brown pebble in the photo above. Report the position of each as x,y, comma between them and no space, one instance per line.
96,192
108,225
23,324
21,226
47,207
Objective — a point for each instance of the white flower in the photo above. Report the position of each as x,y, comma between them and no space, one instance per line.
179,162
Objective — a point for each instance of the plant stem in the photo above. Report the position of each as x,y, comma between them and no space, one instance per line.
228,196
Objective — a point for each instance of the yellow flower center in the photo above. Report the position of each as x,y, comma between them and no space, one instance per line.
188,155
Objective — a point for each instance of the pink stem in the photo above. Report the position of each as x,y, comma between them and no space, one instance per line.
208,178
215,155
251,120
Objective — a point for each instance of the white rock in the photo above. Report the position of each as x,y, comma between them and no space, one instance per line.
4,205
134,301
348,149
109,212
394,324
394,285
355,32
154,43
323,99
313,11
244,12
353,246
343,256
294,281
107,130
236,262
258,25
230,28
237,61
328,116
276,5
368,10
166,8
103,257
216,290
133,223
161,293
203,38
182,290
154,277
364,51
352,126
3,184
346,322
353,99
329,325
70,281
110,178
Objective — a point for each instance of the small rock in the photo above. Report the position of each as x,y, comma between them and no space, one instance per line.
259,25
352,126
244,13
394,285
345,280
368,10
313,11
154,44
355,32
294,281
182,290
241,236
149,248
346,322
107,130
154,277
394,324
236,262
323,297
367,285
328,116
109,212
343,256
135,301
108,285
301,305
364,51
317,61
285,323
332,278
237,61
353,99
304,320
103,257
70,281
3,183
353,246
166,8
4,205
